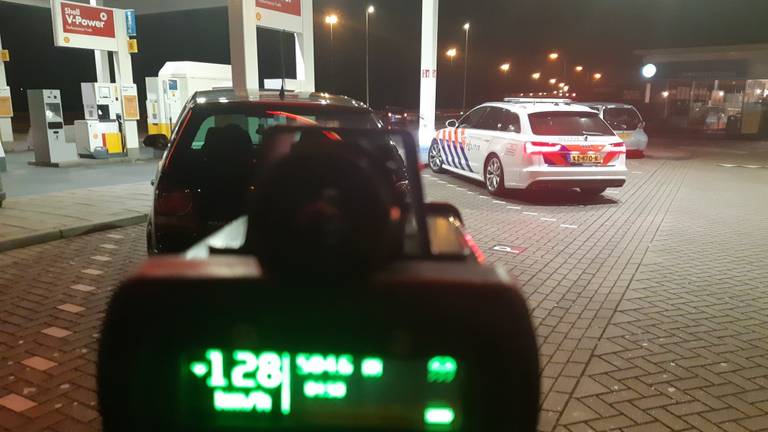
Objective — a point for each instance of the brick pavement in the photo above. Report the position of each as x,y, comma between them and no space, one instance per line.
52,300
649,302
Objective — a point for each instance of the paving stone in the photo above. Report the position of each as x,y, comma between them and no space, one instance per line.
39,363
56,332
71,308
16,403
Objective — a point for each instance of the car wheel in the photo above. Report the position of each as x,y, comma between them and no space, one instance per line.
592,191
494,175
435,159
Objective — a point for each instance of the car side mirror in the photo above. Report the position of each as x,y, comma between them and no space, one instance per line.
156,141
452,123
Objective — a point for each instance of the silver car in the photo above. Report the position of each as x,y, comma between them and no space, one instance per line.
626,122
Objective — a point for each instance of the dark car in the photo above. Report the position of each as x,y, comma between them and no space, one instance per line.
206,175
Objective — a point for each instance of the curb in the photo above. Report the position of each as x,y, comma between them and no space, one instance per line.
70,231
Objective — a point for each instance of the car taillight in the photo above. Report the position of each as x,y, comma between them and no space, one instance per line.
534,147
618,146
474,248
174,203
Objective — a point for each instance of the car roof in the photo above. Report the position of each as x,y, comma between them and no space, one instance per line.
608,104
535,107
227,95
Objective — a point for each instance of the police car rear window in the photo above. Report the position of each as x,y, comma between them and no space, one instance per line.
568,123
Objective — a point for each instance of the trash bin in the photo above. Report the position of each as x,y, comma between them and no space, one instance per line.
733,126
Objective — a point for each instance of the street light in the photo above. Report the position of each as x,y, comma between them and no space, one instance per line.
451,53
368,13
466,65
597,76
561,85
504,68
553,56
536,75
578,68
665,94
553,81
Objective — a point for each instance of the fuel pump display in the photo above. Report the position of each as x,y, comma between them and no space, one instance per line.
243,387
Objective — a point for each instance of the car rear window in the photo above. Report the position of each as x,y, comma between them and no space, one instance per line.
623,118
568,123
212,134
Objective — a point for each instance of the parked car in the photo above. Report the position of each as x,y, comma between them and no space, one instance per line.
207,171
626,121
530,143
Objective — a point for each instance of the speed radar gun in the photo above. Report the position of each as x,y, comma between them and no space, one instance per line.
383,335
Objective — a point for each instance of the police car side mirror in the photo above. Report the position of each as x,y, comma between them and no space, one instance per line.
156,141
452,123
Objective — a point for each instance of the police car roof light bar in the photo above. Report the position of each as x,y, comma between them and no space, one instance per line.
537,100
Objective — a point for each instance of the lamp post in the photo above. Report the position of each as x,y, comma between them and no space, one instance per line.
466,66
368,13
331,20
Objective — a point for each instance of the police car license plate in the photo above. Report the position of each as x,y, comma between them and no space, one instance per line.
586,159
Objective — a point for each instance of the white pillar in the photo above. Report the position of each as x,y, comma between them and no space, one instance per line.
428,96
101,58
124,75
306,48
243,51
6,132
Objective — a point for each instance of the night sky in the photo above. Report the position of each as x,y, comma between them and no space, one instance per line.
600,34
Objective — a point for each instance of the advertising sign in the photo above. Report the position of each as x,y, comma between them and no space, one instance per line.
279,15
130,21
77,25
292,7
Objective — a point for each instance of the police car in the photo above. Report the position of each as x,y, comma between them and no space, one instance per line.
532,144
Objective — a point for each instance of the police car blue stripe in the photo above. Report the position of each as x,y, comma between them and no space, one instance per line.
447,150
458,158
466,159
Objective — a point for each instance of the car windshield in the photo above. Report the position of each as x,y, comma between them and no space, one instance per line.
622,118
568,123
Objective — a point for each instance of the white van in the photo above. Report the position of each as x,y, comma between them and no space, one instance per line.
626,122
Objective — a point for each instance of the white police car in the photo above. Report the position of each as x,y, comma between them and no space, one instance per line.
532,144
626,122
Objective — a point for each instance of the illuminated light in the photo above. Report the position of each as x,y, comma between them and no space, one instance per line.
223,100
553,56
474,248
285,390
530,94
372,367
331,19
325,390
201,100
565,88
533,147
199,369
648,70
597,76
578,68
553,81
371,9
561,85
441,369
240,401
216,358
536,75
451,52
504,67
721,93
438,415
573,94
248,365
466,27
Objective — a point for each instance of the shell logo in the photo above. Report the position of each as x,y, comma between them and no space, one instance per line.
66,39
258,16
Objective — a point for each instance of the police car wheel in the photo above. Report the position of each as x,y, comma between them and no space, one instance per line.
494,175
435,159
592,191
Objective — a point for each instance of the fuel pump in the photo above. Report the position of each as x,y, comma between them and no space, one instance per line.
100,135
46,129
